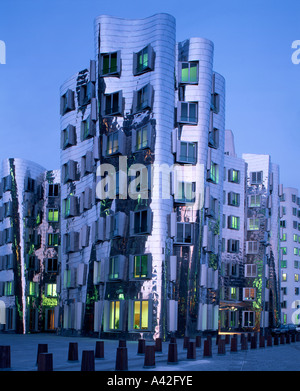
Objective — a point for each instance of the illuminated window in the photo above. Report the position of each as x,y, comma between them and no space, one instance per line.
114,315
33,288
233,222
283,237
233,176
295,251
253,224
233,293
233,199
295,238
142,138
188,72
143,60
284,250
140,266
8,288
141,315
213,173
249,293
53,215
284,277
283,264
112,143
52,240
51,290
296,277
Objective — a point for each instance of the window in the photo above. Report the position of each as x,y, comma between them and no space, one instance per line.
140,222
254,201
249,294
188,152
284,277
114,143
248,318
187,112
185,192
233,176
294,211
51,290
294,198
233,222
67,102
53,215
70,206
33,288
283,223
141,266
143,61
112,104
114,315
52,240
116,267
184,233
233,293
296,264
295,224
110,64
144,98
213,173
295,251
296,291
53,190
283,237
215,103
141,315
88,129
188,72
233,246
284,250
250,270
52,265
213,138
296,277
253,224
233,199
142,138
256,178
8,288
69,171
283,264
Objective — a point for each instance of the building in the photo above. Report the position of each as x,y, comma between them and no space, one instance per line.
141,240
290,252
25,226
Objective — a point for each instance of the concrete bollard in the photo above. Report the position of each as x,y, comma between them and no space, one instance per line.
287,338
88,360
141,346
282,339
269,340
191,351
173,340
244,342
158,345
207,351
172,354
227,339
261,341
249,337
198,341
233,345
45,362
42,348
122,343
298,337
149,361
253,342
293,338
73,351
221,347
276,340
186,340
99,350
5,357
121,359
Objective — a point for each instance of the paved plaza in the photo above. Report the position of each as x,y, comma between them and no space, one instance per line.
284,357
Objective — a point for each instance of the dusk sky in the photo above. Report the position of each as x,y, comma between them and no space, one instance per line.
47,41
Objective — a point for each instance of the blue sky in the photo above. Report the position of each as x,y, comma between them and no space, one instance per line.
49,40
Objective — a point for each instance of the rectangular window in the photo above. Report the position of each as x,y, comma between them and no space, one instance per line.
284,250
188,152
283,237
284,277
248,318
143,61
185,192
283,264
213,173
188,112
141,222
114,268
110,64
144,97
53,215
233,176
233,222
253,224
250,270
233,199
233,246
188,72
112,104
249,294
112,143
32,291
51,290
52,265
53,190
213,138
295,251
256,178
140,266
52,240
254,201
141,315
114,315
8,288
296,277
233,293
184,233
215,103
142,137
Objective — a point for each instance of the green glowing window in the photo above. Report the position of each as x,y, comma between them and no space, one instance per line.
33,288
233,176
213,173
142,137
51,290
140,266
283,264
233,199
295,238
110,63
52,240
8,288
253,224
284,250
233,222
283,237
233,293
114,315
53,215
141,315
189,72
295,251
